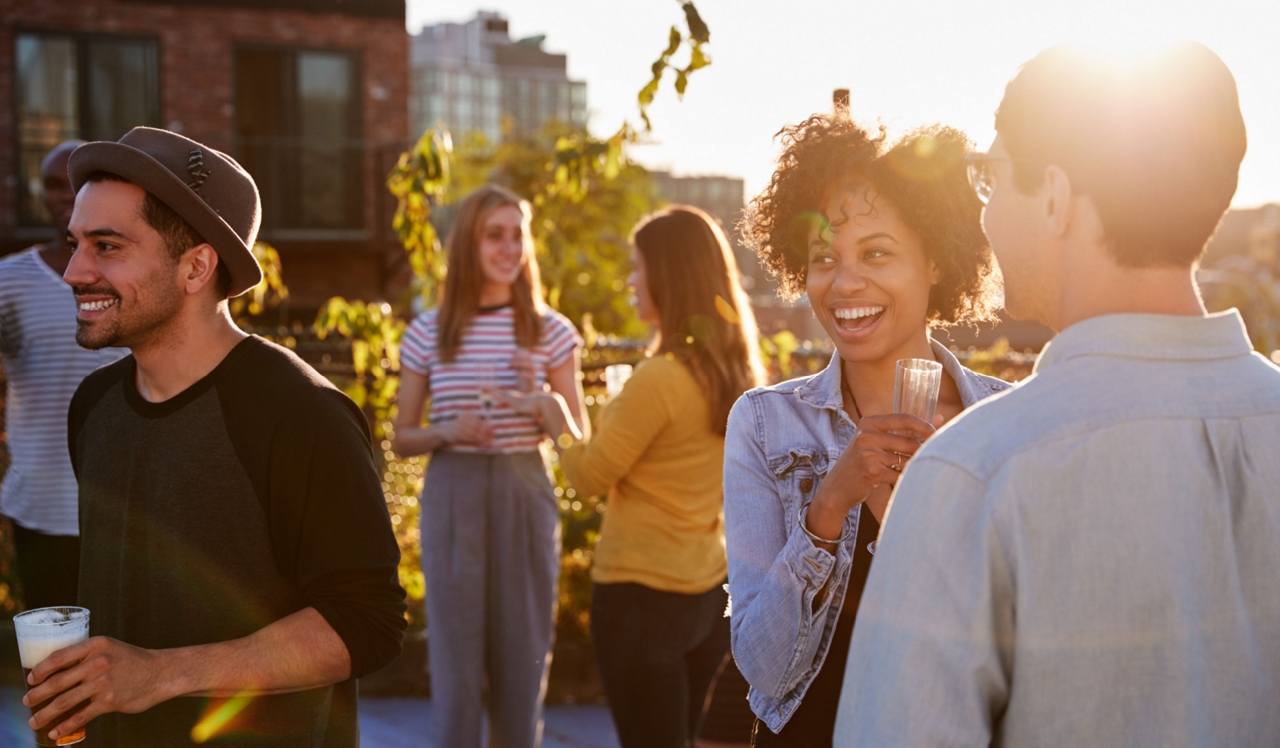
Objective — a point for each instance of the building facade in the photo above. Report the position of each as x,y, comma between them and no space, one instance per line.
473,77
311,96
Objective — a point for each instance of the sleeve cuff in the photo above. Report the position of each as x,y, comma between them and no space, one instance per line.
371,642
561,357
809,563
414,367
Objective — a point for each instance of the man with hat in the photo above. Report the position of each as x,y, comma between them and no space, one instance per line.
237,555
43,366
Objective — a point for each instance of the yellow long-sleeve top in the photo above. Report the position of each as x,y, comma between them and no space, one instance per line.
655,454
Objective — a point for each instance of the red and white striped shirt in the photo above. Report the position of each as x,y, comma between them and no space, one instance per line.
485,354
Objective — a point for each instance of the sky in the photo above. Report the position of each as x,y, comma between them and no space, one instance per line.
906,64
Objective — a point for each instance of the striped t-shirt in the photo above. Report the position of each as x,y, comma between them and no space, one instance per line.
485,356
44,366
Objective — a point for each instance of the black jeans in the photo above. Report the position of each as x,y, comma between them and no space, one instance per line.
49,567
658,653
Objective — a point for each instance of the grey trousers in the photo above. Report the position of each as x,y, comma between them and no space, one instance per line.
491,558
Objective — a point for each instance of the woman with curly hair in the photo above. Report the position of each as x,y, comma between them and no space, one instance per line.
886,242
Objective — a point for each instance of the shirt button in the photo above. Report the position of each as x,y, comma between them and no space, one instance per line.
806,485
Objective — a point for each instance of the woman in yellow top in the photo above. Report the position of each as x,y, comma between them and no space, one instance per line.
657,610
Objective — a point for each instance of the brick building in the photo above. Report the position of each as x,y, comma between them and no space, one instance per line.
309,95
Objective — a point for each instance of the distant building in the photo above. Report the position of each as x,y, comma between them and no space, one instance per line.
311,96
724,199
472,77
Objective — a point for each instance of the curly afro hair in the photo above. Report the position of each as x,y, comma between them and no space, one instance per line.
922,175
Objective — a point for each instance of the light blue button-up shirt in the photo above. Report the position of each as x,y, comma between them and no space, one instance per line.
781,442
1090,559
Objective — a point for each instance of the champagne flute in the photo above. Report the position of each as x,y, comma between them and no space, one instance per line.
916,383
524,364
486,390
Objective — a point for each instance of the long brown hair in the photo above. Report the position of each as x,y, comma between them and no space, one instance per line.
704,318
464,277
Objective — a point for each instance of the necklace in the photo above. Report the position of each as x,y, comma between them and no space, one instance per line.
844,387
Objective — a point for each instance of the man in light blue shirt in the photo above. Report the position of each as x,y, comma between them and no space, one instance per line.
1092,558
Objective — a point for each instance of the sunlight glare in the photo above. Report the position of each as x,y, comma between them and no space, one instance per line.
215,720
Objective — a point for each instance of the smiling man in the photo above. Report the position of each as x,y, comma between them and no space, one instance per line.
235,540
1092,557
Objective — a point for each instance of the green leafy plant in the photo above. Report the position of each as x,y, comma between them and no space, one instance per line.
373,332
269,292
775,353
421,176
696,36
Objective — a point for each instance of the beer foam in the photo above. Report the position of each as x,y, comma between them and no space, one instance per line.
44,617
43,632
33,650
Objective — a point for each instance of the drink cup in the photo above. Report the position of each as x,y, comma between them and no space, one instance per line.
41,633
525,366
487,386
915,387
615,377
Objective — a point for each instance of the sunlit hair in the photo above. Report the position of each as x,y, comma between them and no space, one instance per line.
705,320
464,277
1155,142
922,175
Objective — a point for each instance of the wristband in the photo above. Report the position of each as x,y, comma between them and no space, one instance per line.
804,514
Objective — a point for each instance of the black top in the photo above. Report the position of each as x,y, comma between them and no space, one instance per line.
246,498
814,721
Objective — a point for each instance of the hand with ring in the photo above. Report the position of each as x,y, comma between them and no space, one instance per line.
867,471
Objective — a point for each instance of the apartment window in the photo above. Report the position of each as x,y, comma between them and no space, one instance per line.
77,86
298,133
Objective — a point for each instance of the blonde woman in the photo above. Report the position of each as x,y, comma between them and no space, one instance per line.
490,525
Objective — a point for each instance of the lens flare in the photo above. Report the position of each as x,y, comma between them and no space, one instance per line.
218,718
726,311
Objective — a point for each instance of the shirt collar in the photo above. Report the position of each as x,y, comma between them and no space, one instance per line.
823,391
1150,336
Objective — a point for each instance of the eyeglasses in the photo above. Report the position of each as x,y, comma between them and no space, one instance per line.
982,178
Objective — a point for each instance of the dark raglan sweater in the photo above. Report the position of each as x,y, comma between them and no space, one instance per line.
248,497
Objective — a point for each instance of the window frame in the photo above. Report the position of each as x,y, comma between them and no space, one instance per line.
81,39
355,56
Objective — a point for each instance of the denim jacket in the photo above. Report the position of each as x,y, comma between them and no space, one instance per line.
780,444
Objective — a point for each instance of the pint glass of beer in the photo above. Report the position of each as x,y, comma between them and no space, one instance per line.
41,633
